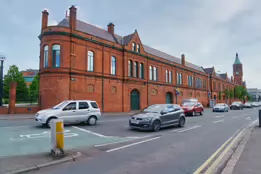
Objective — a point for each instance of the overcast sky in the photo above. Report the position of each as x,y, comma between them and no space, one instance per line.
208,32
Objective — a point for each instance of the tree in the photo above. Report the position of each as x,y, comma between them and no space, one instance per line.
226,92
34,89
231,93
13,75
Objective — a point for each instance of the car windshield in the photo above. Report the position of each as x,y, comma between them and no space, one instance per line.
235,103
189,104
60,105
153,108
220,104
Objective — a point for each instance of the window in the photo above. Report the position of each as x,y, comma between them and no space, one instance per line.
135,69
214,84
141,71
204,84
223,87
198,83
83,105
219,86
113,65
133,46
45,56
190,81
90,61
179,79
155,73
167,76
151,73
94,105
56,55
170,77
130,68
70,106
138,48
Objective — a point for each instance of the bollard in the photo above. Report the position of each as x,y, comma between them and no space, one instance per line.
259,117
57,137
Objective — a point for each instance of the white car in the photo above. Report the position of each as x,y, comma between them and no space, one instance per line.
221,107
71,111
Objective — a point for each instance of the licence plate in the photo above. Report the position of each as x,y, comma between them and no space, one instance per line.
135,121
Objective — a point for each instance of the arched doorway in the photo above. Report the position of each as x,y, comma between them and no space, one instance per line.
135,100
169,98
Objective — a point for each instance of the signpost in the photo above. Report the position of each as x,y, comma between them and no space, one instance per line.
177,93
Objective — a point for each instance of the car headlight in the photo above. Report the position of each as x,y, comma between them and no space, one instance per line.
147,119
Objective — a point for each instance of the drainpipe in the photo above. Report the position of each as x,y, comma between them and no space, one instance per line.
123,77
70,68
102,78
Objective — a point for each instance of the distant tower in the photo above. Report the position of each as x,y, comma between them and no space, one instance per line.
238,71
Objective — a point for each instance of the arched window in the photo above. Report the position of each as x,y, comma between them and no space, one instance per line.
90,61
45,63
170,77
167,76
135,69
113,65
56,61
151,73
155,73
141,70
130,68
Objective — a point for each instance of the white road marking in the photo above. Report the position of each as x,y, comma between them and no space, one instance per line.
14,126
184,130
248,118
219,116
178,130
218,121
100,145
122,147
90,132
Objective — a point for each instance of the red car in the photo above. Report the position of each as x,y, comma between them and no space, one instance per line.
192,108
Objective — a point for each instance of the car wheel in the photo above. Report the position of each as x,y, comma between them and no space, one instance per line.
156,126
92,120
49,121
182,122
202,112
193,113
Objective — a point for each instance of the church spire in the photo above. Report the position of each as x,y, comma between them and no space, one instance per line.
237,61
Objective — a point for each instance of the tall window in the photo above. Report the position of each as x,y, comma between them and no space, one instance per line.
155,73
214,84
130,68
133,46
135,69
204,83
219,86
141,71
190,81
179,79
90,61
56,61
113,65
167,76
198,83
45,64
138,48
151,73
170,77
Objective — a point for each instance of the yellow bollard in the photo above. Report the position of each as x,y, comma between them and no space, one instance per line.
57,137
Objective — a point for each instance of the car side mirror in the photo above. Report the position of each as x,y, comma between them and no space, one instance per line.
163,112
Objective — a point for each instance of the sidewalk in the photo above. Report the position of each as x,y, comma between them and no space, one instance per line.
20,164
250,160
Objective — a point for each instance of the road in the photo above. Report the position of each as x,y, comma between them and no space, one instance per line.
173,150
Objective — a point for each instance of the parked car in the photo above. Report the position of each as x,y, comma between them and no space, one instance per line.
255,104
158,116
192,108
70,111
221,107
248,105
236,106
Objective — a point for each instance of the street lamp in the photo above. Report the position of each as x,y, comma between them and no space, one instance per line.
2,58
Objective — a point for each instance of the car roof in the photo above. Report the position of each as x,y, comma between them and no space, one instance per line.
80,100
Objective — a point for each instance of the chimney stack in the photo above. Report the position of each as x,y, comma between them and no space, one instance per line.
72,17
183,60
232,80
44,18
111,28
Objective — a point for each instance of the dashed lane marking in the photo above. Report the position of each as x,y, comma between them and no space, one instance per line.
218,121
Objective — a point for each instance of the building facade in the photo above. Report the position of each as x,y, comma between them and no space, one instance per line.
81,61
29,75
255,93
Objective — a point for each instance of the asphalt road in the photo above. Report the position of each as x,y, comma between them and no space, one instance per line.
173,150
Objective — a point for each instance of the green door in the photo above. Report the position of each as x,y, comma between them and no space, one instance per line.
135,100
169,97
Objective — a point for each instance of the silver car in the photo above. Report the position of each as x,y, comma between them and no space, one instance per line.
221,107
158,116
70,111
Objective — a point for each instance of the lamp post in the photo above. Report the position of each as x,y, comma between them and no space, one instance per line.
2,58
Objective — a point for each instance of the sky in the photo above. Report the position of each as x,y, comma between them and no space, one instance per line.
209,33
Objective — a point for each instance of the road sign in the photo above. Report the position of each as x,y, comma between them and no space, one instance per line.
177,91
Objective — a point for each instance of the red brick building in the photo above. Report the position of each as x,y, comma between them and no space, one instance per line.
81,61
29,75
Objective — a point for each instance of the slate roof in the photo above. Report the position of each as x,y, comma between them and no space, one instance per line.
237,61
209,70
223,76
103,34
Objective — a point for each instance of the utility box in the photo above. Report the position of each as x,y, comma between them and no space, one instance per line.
57,136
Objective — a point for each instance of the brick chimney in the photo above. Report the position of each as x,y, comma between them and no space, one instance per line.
183,60
72,17
232,80
44,18
111,28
